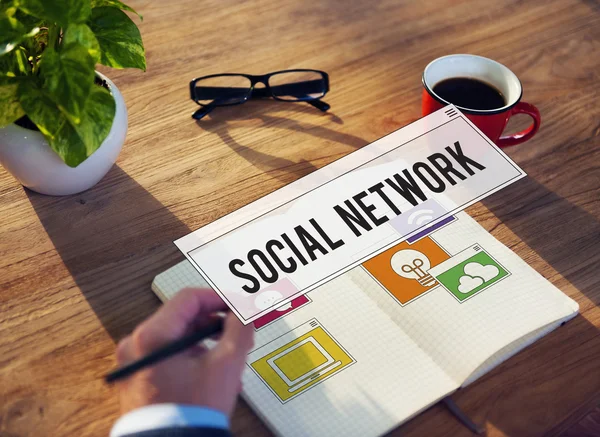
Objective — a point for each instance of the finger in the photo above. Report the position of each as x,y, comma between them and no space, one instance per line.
205,320
125,353
196,351
236,339
187,306
173,319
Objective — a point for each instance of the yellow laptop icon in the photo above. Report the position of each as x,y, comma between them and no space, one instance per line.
309,358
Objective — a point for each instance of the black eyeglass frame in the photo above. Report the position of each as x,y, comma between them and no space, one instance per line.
260,92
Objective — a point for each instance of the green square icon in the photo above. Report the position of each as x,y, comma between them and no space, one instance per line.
472,275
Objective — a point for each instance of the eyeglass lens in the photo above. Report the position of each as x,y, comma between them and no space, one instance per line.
222,90
298,85
233,89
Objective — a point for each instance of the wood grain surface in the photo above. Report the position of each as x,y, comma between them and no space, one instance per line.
75,271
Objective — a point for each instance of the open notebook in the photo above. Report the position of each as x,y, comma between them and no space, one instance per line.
368,350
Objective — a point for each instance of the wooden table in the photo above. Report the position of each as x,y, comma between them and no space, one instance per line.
76,271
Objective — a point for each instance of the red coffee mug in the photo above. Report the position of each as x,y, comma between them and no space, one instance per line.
491,122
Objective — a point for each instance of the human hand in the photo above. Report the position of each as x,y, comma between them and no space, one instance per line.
198,376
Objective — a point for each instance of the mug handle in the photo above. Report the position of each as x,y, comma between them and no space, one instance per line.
524,135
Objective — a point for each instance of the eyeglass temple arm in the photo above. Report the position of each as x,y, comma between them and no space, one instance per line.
203,112
319,104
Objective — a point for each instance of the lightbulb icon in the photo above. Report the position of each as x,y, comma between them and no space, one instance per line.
412,264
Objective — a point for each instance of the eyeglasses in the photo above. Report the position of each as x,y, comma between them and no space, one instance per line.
233,89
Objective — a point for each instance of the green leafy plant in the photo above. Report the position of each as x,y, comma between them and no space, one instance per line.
48,53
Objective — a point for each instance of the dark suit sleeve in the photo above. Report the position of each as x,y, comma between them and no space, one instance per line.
182,432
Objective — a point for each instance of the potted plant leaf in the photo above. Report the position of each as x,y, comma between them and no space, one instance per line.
62,124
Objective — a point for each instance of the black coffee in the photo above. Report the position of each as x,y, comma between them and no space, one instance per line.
470,93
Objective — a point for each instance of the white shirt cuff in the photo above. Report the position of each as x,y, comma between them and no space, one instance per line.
168,416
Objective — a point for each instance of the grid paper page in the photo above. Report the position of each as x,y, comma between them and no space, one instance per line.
180,276
461,335
510,350
389,380
371,343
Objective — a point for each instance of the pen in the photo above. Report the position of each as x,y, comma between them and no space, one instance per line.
166,351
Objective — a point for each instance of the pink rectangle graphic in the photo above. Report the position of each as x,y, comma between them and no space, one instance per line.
281,311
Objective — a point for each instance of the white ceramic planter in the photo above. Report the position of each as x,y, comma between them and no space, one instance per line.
28,157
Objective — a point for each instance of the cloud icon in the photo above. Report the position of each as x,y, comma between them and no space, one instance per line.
468,283
487,273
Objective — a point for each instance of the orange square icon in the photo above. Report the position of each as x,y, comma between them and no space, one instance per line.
403,269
